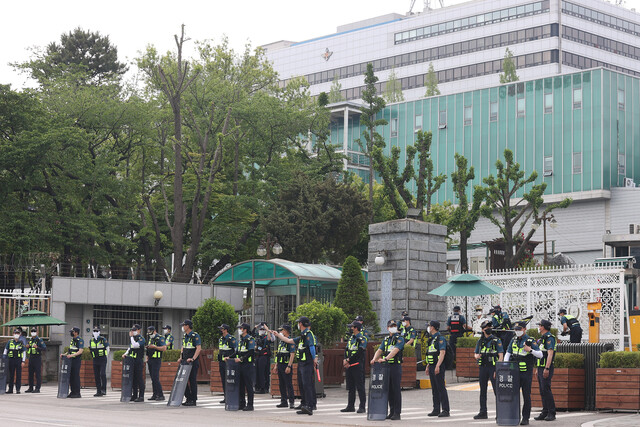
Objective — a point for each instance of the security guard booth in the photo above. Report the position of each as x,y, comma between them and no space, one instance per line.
594,321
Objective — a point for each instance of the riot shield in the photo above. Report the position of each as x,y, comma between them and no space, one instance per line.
64,377
179,385
3,375
232,387
378,392
127,379
507,394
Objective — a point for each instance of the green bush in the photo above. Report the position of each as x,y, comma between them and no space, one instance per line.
211,314
86,353
467,342
171,355
352,295
327,323
620,359
533,333
408,351
568,360
117,355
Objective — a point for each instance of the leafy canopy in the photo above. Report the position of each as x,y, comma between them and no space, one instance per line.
209,316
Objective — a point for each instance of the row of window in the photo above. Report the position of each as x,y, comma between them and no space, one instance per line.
600,18
583,63
440,52
600,42
472,22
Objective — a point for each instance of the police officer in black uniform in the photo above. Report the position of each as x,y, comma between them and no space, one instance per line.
436,353
501,325
168,338
35,347
226,349
457,324
136,352
571,326
155,348
285,356
547,344
523,350
390,351
488,351
245,356
354,357
190,353
99,347
263,359
15,351
76,347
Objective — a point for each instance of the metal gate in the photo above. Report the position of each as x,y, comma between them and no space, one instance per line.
14,302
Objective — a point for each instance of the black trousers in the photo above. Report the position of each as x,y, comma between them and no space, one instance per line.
438,389
222,368
245,374
486,375
548,403
453,340
262,372
154,372
355,382
575,335
100,373
306,384
395,390
137,389
191,392
35,371
285,381
74,375
15,373
525,385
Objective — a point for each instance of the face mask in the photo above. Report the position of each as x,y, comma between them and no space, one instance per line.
184,330
165,331
478,313
96,334
33,334
240,331
519,333
299,327
16,336
429,330
393,330
540,331
71,334
488,331
404,323
262,333
135,333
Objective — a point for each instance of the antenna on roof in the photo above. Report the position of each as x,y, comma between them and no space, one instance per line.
427,5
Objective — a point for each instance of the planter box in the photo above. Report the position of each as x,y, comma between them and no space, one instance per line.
215,383
409,372
87,379
333,368
116,375
168,374
618,388
567,386
204,368
274,389
466,364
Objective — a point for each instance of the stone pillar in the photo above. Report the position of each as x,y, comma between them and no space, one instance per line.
415,263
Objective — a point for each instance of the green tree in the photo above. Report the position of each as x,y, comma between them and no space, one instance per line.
506,213
352,295
323,99
327,323
393,89
209,316
335,93
431,82
508,74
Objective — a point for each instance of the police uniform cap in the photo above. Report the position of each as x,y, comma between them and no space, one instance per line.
359,319
224,326
486,323
244,326
562,311
497,307
151,328
304,320
96,329
16,331
478,307
405,313
34,329
167,327
286,327
456,307
492,310
187,322
435,324
519,325
136,327
75,329
391,322
355,324
545,324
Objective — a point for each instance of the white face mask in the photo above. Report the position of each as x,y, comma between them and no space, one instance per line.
393,330
184,330
540,331
519,333
96,334
405,323
263,333
135,333
165,331
16,336
478,313
33,334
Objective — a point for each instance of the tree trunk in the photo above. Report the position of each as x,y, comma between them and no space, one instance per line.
464,261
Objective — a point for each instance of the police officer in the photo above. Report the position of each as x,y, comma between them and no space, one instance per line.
365,331
136,352
168,338
523,350
392,347
409,333
76,347
478,321
570,325
547,344
501,324
456,324
354,356
488,351
284,369
399,323
14,350
307,362
191,347
436,353
263,359
35,347
155,348
245,356
99,347
226,349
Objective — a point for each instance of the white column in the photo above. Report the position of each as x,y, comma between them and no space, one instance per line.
345,138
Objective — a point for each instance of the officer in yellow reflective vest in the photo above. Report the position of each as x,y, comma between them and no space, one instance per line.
190,353
245,356
136,352
547,344
391,347
14,351
409,333
488,351
226,348
354,356
76,347
168,338
155,348
436,353
35,347
523,350
571,326
284,368
99,347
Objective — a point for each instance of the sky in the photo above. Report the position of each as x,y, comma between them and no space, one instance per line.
134,24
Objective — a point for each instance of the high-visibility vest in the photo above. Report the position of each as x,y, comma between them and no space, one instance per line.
571,321
243,347
97,347
283,354
524,359
33,349
155,353
488,351
16,348
542,362
303,352
388,345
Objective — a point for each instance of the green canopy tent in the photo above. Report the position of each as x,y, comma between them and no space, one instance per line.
34,318
466,285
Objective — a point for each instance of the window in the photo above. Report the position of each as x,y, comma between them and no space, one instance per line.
116,321
577,98
622,164
442,119
548,166
418,122
577,162
548,103
620,99
493,111
520,105
394,127
468,114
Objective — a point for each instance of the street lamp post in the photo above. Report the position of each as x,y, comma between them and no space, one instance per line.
269,245
546,217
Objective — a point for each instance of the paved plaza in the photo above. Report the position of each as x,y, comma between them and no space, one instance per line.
45,409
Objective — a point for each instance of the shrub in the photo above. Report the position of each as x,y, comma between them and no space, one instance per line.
568,360
86,354
327,323
352,295
171,355
620,359
211,314
467,342
408,351
117,355
533,333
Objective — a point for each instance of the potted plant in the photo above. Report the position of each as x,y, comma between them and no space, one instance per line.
567,384
618,381
466,363
169,367
116,370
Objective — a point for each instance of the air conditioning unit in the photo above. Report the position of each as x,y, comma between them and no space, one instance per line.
628,182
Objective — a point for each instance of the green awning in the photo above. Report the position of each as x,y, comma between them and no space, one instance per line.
34,318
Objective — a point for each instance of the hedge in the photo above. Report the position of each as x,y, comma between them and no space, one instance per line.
533,333
467,342
86,353
117,355
568,360
620,359
171,355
